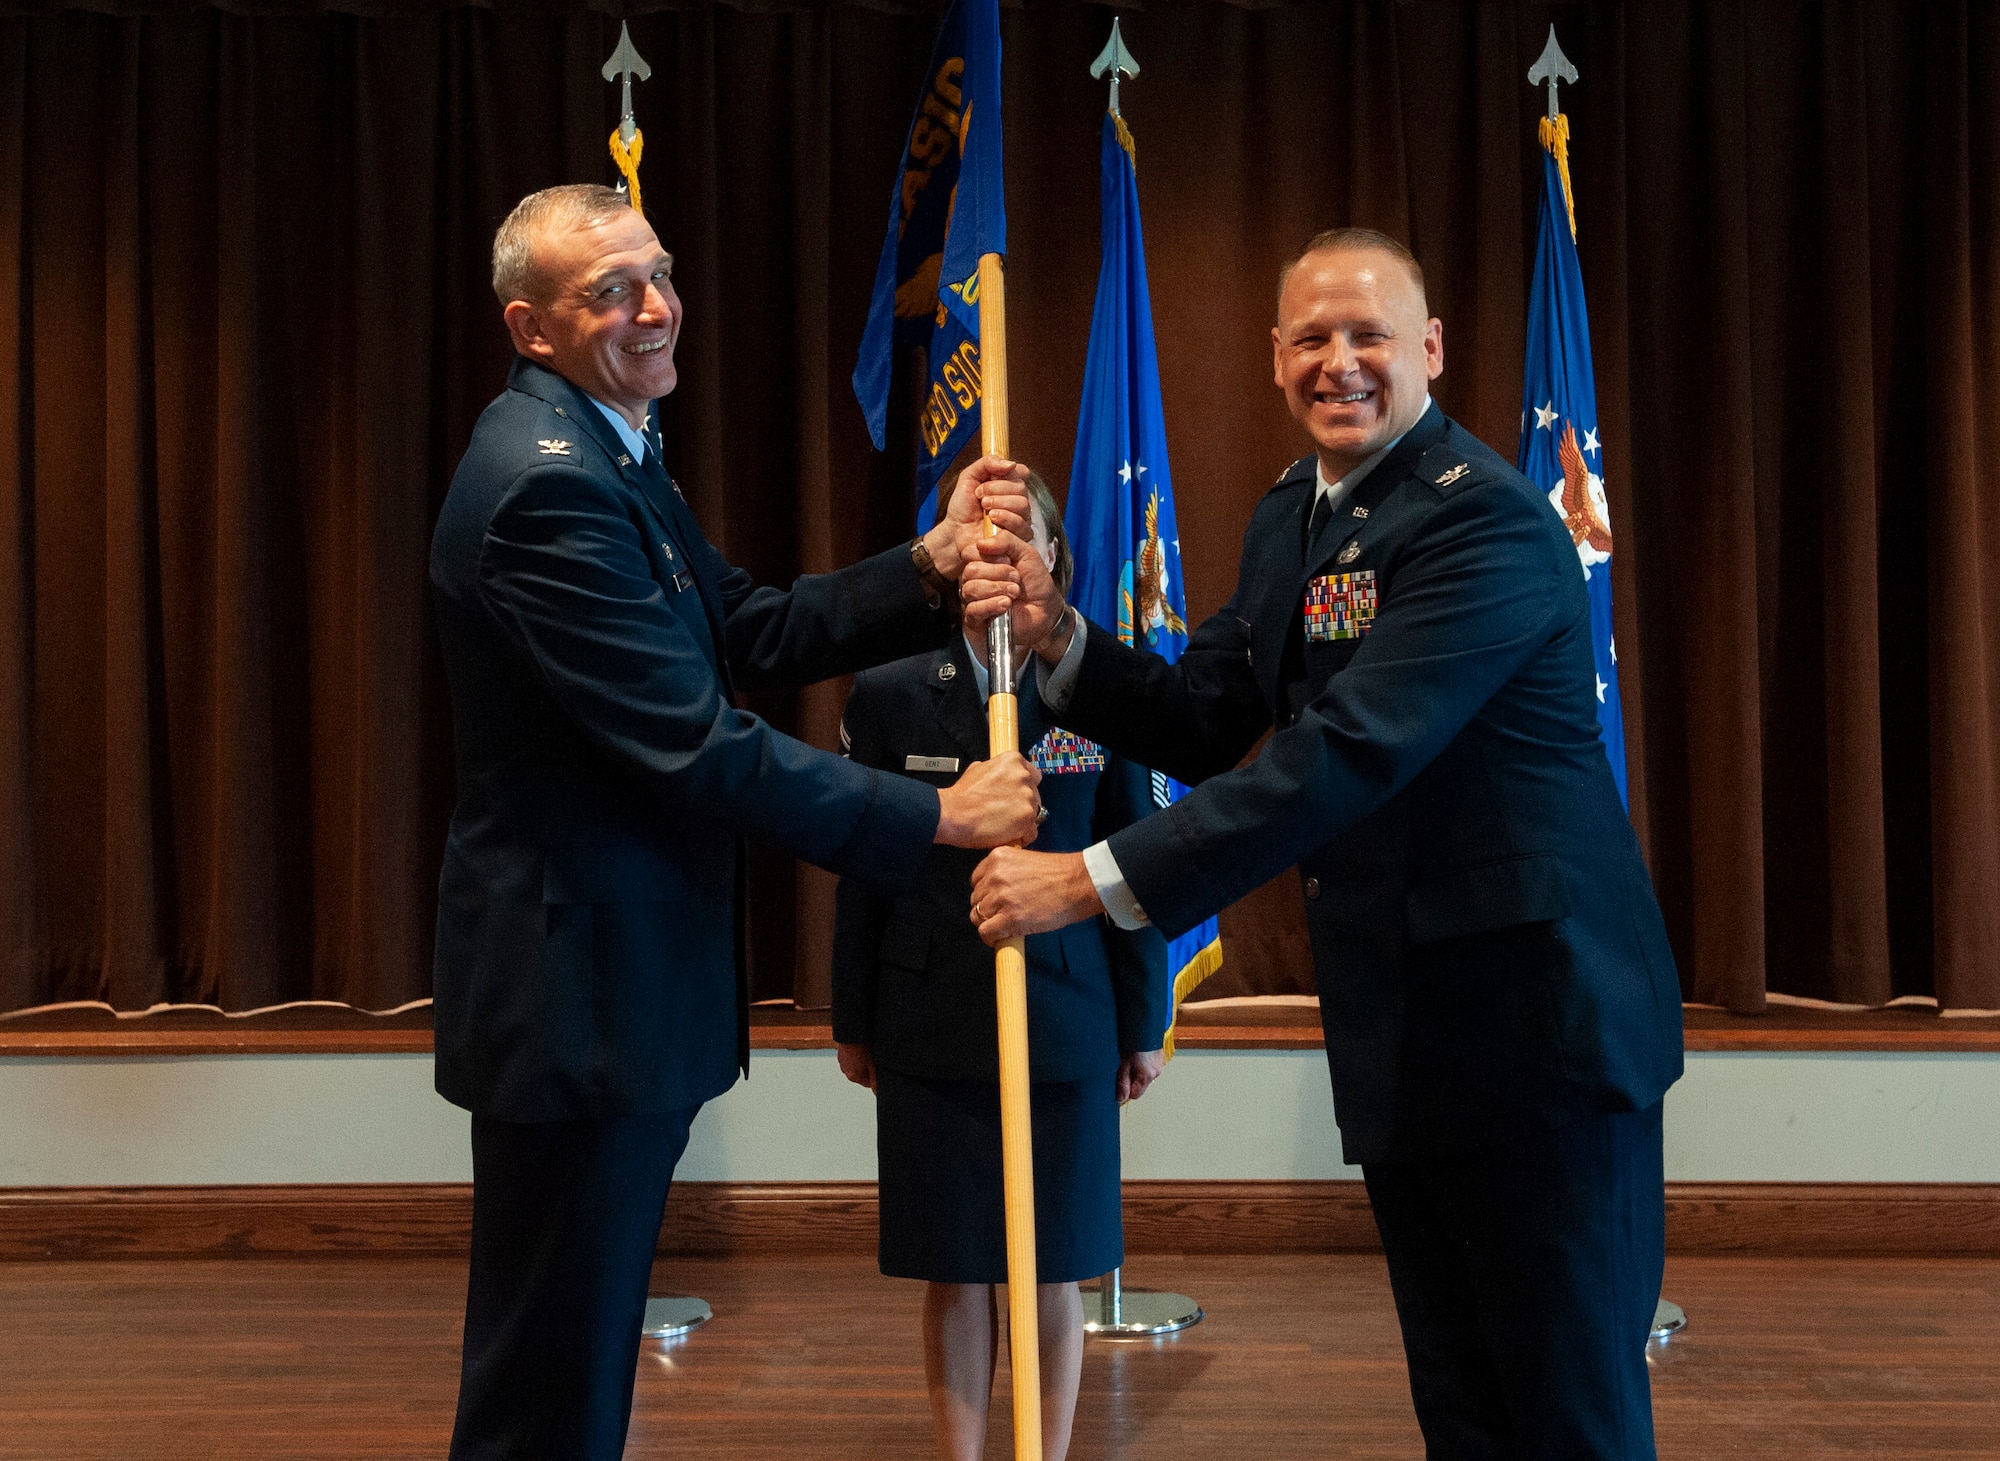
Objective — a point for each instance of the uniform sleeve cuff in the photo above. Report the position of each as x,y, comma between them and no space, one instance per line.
1112,891
1055,686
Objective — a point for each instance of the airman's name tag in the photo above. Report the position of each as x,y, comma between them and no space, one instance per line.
930,763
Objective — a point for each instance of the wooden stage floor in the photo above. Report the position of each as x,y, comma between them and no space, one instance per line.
354,1358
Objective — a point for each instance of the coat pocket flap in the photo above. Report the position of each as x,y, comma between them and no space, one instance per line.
624,874
1492,895
906,944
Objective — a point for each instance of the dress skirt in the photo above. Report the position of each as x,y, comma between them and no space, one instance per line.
937,1146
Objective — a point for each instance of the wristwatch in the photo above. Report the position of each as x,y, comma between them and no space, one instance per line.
940,591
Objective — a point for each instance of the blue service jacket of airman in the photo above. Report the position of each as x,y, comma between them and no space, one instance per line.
1482,924
910,975
588,958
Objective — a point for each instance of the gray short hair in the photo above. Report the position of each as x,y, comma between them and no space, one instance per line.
552,210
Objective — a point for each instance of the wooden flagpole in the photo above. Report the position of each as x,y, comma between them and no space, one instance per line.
1010,968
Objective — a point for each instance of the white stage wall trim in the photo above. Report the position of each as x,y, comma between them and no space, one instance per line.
1216,1115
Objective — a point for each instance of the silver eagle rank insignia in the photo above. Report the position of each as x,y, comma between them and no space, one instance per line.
552,448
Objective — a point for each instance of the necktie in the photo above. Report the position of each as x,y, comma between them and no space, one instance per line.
1322,510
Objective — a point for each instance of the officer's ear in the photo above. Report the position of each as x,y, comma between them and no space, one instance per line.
524,326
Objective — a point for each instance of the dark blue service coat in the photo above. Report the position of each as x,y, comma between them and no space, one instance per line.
1483,928
588,941
910,975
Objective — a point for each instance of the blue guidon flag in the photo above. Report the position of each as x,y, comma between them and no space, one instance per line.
948,209
1120,516
1560,450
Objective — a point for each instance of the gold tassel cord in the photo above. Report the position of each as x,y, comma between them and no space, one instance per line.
627,159
1555,141
1125,141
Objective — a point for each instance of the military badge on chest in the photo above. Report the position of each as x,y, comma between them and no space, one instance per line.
1063,751
1340,605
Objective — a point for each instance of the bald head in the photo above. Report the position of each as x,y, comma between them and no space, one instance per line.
1351,240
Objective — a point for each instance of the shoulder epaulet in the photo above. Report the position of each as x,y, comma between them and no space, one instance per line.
1298,471
1447,469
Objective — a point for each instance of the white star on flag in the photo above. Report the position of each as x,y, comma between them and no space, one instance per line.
1125,472
1545,417
1601,688
1590,440
1611,645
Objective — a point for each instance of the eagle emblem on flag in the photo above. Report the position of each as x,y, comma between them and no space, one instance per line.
1579,499
1145,605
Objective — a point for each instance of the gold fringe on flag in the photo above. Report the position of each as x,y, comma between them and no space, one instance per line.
1197,969
1555,141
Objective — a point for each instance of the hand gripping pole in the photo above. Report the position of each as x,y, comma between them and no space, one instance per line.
1010,969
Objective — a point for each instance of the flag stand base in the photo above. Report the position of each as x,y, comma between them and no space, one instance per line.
669,1316
1669,1319
1124,1313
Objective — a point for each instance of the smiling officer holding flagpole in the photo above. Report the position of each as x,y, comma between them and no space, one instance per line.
590,994
1501,1010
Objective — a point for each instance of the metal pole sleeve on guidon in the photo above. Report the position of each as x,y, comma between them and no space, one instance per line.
1010,968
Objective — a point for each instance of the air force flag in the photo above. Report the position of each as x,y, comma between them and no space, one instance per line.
948,209
1560,451
1120,517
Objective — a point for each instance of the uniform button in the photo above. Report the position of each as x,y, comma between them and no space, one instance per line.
1312,888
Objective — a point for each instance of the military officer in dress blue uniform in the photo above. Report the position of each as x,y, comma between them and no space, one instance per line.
915,1021
588,979
1501,1009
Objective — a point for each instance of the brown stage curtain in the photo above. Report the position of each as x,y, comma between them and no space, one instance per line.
244,332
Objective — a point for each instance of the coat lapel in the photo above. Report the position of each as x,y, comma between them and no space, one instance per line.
655,488
961,715
1279,606
1029,713
1346,534
689,533
574,406
1274,609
